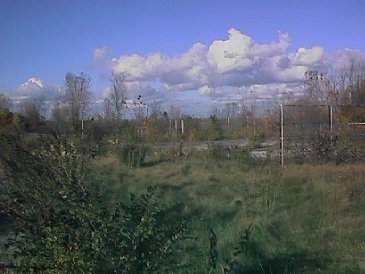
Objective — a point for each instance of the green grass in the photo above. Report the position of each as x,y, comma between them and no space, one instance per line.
297,219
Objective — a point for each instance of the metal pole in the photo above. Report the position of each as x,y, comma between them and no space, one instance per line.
331,118
171,132
254,127
82,128
182,126
331,124
282,133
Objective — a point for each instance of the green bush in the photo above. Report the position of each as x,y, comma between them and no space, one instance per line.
219,151
64,225
132,154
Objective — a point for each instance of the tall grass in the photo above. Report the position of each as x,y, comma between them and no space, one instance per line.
266,219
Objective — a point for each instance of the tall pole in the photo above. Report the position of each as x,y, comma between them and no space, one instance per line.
82,128
331,123
331,118
282,133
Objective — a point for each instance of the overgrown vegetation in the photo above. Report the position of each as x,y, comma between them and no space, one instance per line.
214,211
168,193
62,223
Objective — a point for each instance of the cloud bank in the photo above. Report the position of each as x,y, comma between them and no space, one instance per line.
35,88
205,76
237,61
228,69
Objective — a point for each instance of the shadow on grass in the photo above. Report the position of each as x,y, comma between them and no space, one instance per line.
151,163
297,262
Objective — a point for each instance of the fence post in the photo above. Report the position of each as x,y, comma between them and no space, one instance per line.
282,133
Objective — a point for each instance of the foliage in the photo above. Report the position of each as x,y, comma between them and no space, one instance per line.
77,97
9,120
132,154
219,151
327,147
216,129
64,225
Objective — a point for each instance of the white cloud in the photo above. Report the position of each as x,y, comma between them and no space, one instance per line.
343,58
136,67
204,90
308,57
231,54
273,49
236,61
32,82
225,69
100,54
35,88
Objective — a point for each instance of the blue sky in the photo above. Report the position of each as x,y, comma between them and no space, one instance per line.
46,39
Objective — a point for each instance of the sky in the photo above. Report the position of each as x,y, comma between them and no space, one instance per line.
188,53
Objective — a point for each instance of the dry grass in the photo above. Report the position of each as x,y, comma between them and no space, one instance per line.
317,211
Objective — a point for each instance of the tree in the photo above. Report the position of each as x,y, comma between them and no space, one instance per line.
32,110
231,110
118,94
5,102
6,117
174,113
60,116
155,109
107,109
77,96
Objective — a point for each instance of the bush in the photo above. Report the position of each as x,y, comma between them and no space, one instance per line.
64,225
219,151
132,154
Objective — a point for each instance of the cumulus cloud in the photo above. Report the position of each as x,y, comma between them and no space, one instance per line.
100,54
204,90
343,58
235,61
226,69
232,54
35,88
307,57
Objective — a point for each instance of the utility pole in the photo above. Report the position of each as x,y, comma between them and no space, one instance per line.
282,133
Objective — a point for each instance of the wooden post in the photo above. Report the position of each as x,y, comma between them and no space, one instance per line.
182,126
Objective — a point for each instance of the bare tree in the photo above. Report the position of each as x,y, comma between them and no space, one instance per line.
32,110
60,114
77,96
107,109
5,102
175,112
231,110
118,94
155,109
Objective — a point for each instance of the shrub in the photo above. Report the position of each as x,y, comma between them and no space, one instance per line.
64,225
219,151
132,154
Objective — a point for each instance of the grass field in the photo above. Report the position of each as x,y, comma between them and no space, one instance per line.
266,219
